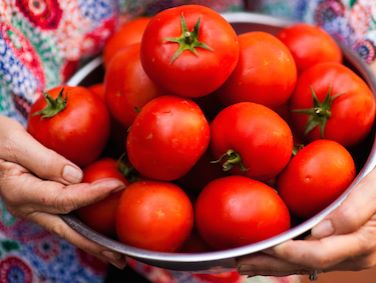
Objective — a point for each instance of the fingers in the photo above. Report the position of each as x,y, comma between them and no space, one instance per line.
356,209
266,265
20,147
24,193
57,226
324,253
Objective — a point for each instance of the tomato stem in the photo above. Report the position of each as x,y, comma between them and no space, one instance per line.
320,113
129,172
54,106
230,159
188,40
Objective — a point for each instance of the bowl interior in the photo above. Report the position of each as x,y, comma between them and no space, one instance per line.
93,72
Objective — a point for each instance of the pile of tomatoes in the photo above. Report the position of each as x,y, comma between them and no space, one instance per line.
222,139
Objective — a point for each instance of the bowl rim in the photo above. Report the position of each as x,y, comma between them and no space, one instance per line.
233,18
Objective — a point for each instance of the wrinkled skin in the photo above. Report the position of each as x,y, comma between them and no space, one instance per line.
38,184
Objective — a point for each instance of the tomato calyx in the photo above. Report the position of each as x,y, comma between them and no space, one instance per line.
230,159
297,148
320,113
128,171
188,40
54,106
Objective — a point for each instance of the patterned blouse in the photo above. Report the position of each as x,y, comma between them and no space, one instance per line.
41,45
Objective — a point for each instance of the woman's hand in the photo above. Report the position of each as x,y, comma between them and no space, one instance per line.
344,240
37,184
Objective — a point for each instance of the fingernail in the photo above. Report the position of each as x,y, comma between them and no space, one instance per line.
72,174
323,229
115,259
113,184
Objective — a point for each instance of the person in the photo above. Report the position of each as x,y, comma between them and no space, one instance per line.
41,44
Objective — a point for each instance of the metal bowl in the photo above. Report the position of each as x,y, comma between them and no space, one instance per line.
225,259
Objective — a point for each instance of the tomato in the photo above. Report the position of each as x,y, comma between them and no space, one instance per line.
332,102
265,74
127,87
129,33
154,215
167,138
234,211
101,216
253,138
72,121
315,177
201,174
310,45
190,50
98,89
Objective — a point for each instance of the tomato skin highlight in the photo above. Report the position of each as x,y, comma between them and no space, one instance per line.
310,45
79,132
235,211
190,75
352,112
260,136
265,73
155,216
315,177
167,138
101,215
127,86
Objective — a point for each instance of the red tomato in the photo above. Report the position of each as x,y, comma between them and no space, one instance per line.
235,211
129,33
252,137
167,138
316,176
265,74
76,124
98,89
190,50
203,172
332,102
101,216
127,87
310,45
153,215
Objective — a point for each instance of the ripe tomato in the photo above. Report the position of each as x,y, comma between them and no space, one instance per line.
310,45
252,137
315,177
330,101
236,210
101,216
129,33
73,121
98,89
265,74
154,215
167,138
127,87
190,50
203,172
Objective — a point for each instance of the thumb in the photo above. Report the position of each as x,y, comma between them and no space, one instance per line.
355,210
20,147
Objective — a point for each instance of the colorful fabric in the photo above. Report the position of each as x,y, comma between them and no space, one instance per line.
41,45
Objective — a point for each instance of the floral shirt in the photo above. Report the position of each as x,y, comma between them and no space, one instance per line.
41,45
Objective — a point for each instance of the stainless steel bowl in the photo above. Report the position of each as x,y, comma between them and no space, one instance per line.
225,259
